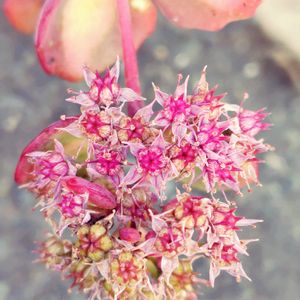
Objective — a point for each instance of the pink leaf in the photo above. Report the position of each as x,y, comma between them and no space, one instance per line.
74,33
23,14
207,14
42,142
98,194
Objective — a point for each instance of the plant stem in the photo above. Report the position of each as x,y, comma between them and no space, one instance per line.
129,54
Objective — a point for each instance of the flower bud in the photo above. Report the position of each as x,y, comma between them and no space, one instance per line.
130,235
93,242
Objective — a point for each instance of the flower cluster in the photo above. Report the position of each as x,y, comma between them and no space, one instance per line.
104,177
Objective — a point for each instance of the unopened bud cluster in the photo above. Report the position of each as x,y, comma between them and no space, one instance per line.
101,179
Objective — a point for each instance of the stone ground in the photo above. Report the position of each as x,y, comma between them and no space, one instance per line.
239,58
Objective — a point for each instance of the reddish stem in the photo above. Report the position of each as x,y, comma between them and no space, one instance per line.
129,54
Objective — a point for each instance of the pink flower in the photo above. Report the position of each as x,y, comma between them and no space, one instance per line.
193,212
103,91
106,162
49,168
251,121
71,205
153,166
174,110
23,173
96,124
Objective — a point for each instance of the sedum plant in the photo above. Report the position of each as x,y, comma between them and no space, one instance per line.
119,183
102,176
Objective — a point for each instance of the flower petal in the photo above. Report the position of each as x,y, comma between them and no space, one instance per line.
42,142
73,33
23,14
207,14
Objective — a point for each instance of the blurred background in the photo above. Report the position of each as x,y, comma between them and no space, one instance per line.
261,57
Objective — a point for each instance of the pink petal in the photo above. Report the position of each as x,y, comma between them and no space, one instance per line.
214,272
145,112
247,222
159,141
160,96
181,89
23,14
98,194
207,14
157,222
168,265
129,95
41,143
132,176
74,33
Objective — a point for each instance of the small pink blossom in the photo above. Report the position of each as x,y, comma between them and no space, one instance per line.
49,168
251,121
71,205
104,162
103,91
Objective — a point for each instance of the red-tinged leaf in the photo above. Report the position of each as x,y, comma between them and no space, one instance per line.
43,142
207,14
73,33
23,14
98,195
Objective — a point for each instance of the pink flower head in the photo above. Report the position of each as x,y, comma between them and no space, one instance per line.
96,124
107,163
220,170
24,169
153,166
176,108
209,134
103,178
49,167
135,129
151,160
103,91
170,241
193,212
224,216
250,122
225,257
184,157
71,205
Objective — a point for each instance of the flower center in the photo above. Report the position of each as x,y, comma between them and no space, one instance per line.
151,160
